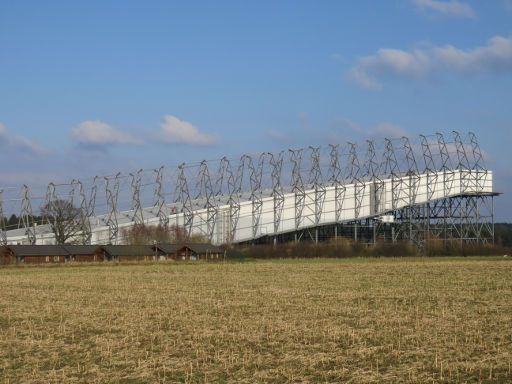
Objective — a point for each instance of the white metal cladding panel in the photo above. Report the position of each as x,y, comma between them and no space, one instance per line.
408,190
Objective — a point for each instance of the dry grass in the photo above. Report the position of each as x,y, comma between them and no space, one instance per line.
375,321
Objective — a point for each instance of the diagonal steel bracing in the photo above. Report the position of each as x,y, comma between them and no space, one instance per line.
160,208
206,194
227,185
27,216
296,190
184,201
112,195
336,180
276,163
136,182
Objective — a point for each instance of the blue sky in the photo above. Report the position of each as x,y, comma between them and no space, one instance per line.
93,87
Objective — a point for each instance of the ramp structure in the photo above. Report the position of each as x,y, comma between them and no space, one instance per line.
390,189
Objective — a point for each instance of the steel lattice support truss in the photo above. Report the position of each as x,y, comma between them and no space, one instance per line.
436,187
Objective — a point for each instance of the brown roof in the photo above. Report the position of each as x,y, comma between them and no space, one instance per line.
168,248
199,248
38,250
81,249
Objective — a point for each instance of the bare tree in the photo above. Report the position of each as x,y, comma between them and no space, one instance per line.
139,234
64,219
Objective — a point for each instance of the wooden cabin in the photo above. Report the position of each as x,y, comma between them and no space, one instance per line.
55,254
84,253
128,253
166,251
204,251
190,251
36,254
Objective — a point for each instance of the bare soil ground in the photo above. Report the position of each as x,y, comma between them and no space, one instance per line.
355,320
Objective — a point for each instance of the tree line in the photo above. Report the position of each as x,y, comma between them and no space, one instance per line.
65,221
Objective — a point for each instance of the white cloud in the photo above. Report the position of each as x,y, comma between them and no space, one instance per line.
29,145
449,8
100,134
361,77
279,137
346,127
176,131
494,57
20,143
350,127
387,130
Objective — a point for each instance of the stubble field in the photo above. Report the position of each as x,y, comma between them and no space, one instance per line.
356,320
